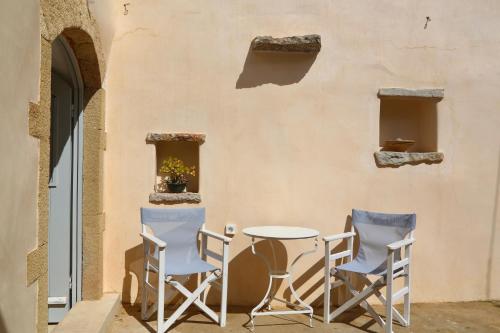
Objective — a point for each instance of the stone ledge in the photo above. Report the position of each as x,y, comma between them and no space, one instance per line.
90,316
397,159
307,43
434,94
173,198
175,137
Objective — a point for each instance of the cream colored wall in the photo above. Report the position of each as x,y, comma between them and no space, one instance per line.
105,13
300,152
19,84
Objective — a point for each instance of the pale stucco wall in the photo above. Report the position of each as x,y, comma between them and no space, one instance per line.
105,13
298,149
19,84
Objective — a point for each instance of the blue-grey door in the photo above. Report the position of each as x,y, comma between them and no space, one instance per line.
64,239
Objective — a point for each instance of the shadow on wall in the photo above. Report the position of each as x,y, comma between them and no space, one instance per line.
3,328
340,294
248,278
280,68
133,266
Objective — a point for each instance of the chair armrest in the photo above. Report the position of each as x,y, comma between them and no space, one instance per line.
339,236
399,244
158,242
216,235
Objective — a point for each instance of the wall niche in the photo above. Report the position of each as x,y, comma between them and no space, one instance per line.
408,127
409,120
186,147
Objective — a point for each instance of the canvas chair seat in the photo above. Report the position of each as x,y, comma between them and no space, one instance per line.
361,268
196,265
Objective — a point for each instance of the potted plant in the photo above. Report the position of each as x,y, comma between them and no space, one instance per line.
176,174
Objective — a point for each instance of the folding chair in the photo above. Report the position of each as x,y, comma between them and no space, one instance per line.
173,251
382,236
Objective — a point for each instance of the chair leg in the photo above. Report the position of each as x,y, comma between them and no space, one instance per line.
144,299
388,307
364,304
203,276
145,276
191,298
223,301
388,297
326,299
161,292
406,310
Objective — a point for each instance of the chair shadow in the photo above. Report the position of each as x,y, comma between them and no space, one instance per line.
279,68
339,294
247,274
134,310
338,298
3,327
133,267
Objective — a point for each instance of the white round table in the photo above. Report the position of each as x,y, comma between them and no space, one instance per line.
281,233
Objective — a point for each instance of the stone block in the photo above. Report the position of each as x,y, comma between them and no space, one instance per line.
307,43
397,159
173,198
435,94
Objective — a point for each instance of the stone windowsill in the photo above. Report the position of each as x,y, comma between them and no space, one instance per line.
175,137
307,43
431,94
174,198
397,159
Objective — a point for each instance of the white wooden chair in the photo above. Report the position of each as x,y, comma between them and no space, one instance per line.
172,251
382,237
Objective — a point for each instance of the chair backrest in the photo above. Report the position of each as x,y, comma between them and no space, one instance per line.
179,228
376,231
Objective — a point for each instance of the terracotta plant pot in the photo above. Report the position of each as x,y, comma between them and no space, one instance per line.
176,187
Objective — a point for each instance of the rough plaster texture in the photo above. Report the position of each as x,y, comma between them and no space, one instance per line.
19,84
295,144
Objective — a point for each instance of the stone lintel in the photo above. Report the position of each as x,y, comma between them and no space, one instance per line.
432,94
307,43
174,198
397,159
173,137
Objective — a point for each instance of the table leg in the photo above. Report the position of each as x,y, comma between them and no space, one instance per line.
290,280
261,304
268,297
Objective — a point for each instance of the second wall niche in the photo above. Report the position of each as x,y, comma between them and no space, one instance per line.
408,127
410,120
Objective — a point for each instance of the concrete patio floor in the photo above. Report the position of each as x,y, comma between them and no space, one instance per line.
433,317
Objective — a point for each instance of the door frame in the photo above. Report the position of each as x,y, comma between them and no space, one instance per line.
77,174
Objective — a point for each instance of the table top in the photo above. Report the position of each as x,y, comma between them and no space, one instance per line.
280,232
